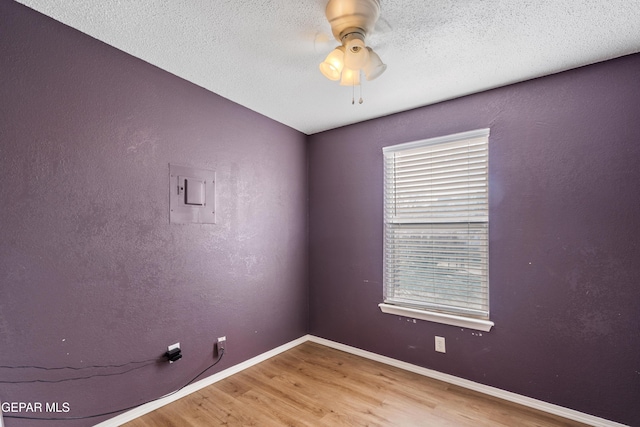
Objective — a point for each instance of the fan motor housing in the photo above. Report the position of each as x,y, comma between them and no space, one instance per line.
347,15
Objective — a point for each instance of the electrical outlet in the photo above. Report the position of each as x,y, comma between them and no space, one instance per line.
440,347
173,353
221,343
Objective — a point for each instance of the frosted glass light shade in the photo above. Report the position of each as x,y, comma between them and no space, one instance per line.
374,67
350,77
356,55
333,64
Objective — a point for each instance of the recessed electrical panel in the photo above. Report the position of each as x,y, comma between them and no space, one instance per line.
192,196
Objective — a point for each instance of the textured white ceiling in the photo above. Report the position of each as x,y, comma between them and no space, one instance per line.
264,54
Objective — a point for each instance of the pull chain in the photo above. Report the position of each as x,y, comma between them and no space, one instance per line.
353,91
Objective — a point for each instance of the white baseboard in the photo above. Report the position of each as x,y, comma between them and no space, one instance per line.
152,406
491,391
481,388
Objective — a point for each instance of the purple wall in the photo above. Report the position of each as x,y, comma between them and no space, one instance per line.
91,271
564,245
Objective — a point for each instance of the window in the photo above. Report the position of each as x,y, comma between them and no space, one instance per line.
436,220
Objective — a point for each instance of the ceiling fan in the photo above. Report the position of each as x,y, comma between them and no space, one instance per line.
351,21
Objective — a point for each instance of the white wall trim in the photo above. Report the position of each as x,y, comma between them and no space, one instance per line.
432,316
488,390
481,388
478,133
156,404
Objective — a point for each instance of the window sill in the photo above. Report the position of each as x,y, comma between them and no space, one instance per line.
431,316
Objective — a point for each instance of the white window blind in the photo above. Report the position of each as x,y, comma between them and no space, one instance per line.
436,224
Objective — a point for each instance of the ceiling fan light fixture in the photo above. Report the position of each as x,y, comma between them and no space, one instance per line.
350,77
356,55
351,22
333,64
374,67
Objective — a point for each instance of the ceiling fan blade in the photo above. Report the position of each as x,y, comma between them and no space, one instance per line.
382,26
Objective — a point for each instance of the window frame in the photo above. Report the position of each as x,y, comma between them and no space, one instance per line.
437,312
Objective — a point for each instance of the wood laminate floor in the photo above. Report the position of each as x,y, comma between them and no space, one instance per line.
313,385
